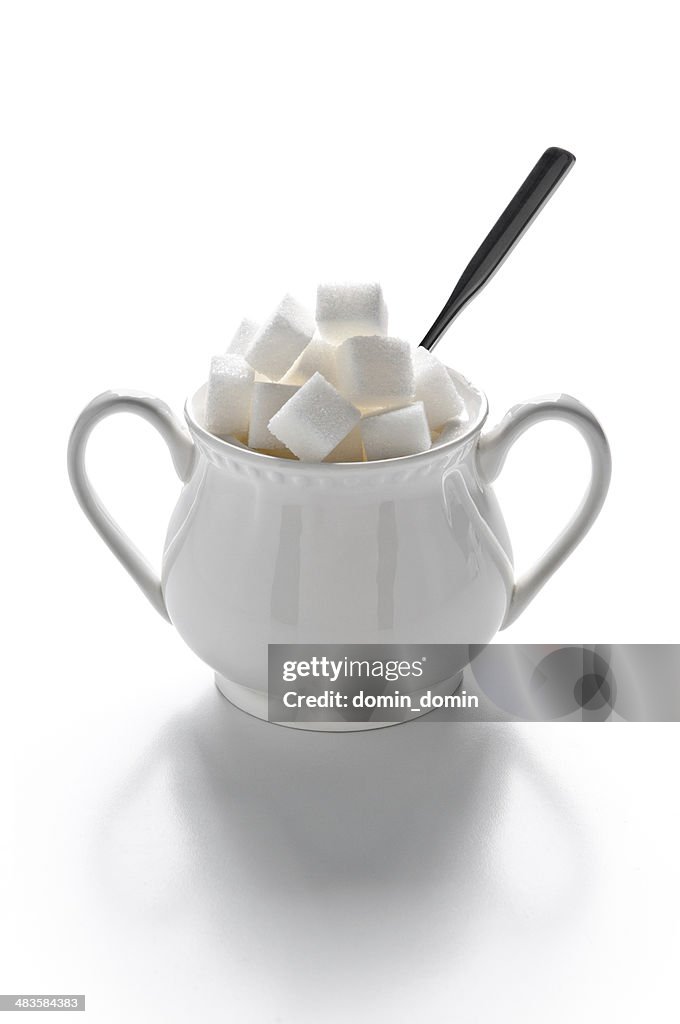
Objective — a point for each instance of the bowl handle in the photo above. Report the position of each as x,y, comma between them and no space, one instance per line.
182,451
492,450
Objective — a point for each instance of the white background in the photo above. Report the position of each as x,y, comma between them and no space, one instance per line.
168,168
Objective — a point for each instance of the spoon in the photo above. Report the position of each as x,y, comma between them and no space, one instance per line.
529,200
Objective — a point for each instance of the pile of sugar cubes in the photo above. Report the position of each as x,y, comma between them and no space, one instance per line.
336,388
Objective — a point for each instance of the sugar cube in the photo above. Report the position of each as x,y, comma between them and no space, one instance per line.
318,356
267,400
346,310
245,333
388,435
435,389
280,341
350,449
451,431
230,387
236,443
315,420
375,373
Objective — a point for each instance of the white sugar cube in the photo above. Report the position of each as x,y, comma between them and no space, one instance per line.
267,400
451,431
238,346
230,387
346,310
280,341
375,373
317,357
387,435
236,443
315,420
435,389
351,449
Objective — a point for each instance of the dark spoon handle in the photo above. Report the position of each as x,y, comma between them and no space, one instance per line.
504,235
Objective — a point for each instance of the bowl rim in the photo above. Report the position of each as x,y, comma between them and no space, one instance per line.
220,445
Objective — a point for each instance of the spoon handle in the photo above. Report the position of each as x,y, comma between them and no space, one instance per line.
504,235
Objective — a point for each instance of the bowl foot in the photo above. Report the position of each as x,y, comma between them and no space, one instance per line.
255,703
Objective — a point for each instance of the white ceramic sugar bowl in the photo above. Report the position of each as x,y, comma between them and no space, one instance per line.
263,550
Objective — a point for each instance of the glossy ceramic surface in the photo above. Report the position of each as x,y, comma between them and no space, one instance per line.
264,550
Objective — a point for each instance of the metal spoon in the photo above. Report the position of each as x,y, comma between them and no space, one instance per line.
543,180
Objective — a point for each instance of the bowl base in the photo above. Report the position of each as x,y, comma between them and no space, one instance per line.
255,703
